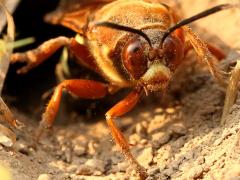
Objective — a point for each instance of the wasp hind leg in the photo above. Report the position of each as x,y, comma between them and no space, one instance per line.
118,110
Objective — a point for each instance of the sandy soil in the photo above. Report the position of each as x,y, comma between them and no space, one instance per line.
175,137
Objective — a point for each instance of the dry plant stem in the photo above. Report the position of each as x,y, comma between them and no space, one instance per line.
231,93
11,6
6,114
5,59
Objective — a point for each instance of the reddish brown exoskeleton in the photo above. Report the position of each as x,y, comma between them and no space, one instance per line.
134,44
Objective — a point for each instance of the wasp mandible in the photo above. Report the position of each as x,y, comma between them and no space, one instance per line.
135,44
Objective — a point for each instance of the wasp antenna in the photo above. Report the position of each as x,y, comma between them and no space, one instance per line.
196,17
124,28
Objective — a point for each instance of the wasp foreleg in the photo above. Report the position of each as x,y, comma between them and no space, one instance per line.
82,88
120,109
204,54
213,49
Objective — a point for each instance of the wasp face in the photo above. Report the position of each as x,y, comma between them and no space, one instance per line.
152,66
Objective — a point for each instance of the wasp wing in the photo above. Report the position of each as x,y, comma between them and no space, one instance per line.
74,14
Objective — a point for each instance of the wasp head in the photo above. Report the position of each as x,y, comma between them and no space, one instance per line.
152,65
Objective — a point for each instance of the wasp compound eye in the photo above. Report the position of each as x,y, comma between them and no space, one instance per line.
172,51
134,58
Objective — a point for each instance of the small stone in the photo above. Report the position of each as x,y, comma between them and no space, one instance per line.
5,140
189,155
155,125
153,170
96,165
146,157
80,140
176,163
143,141
200,160
67,154
84,170
195,172
71,169
179,143
79,150
134,139
141,129
92,146
44,177
22,148
122,166
168,172
158,110
160,138
170,110
178,129
65,176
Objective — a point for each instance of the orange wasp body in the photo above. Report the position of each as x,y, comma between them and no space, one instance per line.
126,42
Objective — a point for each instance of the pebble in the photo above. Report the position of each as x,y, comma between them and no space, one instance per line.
134,139
141,129
189,155
44,177
84,170
122,166
200,160
153,170
71,169
179,142
170,110
156,124
96,165
195,172
92,146
67,154
178,129
6,141
160,138
79,150
168,172
143,141
22,148
146,157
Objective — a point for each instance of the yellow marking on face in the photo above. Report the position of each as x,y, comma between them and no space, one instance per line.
156,70
106,65
79,39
